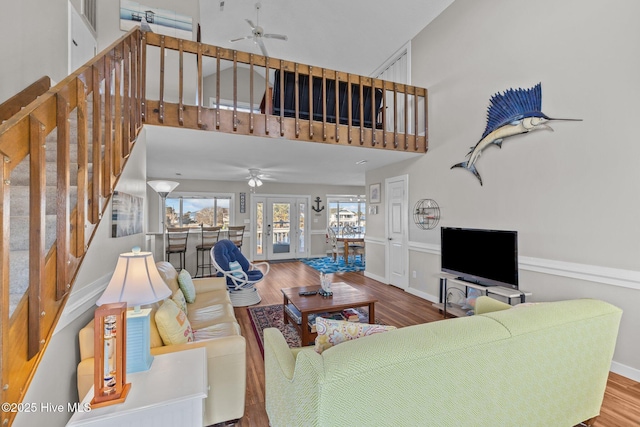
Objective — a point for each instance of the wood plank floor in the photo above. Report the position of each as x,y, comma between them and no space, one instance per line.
621,407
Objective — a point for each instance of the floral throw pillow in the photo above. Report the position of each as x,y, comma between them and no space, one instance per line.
333,332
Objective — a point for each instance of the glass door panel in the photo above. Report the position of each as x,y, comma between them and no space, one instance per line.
280,230
259,249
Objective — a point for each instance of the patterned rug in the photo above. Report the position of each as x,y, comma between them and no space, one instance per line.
271,316
327,265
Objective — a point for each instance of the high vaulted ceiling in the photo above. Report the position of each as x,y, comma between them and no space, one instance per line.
355,36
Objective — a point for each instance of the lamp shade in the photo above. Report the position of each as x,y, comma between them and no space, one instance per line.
163,188
135,281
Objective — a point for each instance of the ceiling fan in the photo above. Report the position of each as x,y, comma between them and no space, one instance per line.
257,33
255,178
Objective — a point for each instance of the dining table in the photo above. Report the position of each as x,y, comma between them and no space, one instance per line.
348,241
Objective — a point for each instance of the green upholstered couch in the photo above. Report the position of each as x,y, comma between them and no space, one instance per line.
536,365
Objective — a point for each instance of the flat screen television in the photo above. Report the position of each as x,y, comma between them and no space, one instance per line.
484,257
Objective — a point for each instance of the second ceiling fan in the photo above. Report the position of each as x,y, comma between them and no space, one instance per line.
257,33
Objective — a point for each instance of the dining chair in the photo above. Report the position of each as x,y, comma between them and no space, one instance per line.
337,249
236,234
355,248
177,244
209,237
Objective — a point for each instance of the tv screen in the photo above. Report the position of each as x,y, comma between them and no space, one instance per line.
485,257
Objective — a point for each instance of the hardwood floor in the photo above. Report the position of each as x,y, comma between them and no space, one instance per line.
621,407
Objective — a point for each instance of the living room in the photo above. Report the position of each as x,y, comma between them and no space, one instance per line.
558,190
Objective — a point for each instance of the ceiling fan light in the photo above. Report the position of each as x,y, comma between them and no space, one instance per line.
258,182
252,182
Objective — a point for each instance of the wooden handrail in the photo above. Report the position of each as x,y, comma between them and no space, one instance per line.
105,104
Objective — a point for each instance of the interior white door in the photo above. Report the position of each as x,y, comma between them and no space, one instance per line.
397,224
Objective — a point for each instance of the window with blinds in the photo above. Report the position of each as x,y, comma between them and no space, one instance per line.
89,12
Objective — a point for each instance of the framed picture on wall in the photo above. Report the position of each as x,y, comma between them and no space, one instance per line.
374,193
126,215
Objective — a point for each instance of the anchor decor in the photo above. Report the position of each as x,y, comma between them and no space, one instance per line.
317,208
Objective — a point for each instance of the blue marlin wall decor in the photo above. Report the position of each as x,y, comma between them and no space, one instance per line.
514,112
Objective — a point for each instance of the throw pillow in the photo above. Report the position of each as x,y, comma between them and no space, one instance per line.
186,284
173,325
179,299
236,269
333,332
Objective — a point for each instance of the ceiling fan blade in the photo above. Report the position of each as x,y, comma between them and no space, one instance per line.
241,38
253,27
275,36
262,46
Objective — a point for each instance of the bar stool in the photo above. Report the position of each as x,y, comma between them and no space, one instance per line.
177,244
236,233
210,236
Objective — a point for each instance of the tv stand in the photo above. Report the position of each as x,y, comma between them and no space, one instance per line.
456,310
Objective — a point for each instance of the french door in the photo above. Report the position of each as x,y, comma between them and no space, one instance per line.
280,229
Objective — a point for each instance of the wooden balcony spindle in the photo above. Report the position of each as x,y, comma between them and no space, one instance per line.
268,101
282,71
416,115
126,124
337,107
311,102
143,77
395,115
361,109
108,127
406,118
374,118
161,101
324,104
426,119
349,109
297,100
181,83
384,115
251,100
235,90
96,132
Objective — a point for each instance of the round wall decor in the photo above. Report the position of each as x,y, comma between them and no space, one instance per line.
426,214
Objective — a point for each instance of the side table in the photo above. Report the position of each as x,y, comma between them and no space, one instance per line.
171,393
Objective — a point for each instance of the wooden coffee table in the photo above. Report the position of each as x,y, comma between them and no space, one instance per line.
344,296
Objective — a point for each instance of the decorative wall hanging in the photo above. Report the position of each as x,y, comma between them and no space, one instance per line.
317,208
243,202
514,112
126,215
426,214
374,193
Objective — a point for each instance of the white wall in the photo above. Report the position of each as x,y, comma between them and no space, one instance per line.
570,194
35,43
55,380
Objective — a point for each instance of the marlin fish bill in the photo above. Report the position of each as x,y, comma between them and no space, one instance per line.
514,112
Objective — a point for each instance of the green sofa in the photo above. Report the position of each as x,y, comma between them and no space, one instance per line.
537,365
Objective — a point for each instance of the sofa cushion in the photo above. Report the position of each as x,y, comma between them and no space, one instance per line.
209,309
333,332
179,299
226,329
169,274
186,284
173,325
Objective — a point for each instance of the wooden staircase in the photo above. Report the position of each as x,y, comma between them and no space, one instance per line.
64,148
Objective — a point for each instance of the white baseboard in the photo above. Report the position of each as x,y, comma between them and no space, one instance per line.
375,277
625,371
422,295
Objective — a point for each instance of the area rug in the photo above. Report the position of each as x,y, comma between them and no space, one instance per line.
271,316
328,265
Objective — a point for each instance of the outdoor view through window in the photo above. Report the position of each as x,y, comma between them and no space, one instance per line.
196,211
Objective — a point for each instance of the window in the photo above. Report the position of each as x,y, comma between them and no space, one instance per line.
183,210
347,211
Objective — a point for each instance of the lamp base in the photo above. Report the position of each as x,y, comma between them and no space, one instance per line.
139,356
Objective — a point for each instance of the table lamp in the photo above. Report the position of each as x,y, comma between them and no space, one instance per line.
137,282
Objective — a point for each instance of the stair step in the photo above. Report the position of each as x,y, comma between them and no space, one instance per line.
19,239
20,175
20,200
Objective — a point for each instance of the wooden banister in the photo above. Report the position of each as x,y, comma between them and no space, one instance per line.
14,104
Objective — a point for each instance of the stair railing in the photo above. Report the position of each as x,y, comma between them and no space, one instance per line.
98,109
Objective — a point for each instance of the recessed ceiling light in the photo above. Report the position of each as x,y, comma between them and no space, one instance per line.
178,174
361,162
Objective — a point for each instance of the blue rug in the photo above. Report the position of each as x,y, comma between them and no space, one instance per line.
327,265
